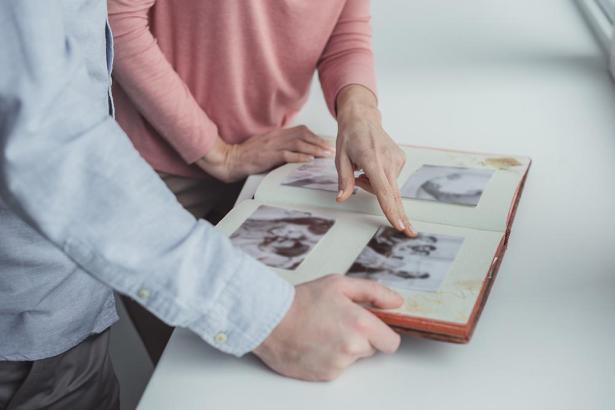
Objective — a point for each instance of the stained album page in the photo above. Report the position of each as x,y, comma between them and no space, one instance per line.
440,273
419,263
438,186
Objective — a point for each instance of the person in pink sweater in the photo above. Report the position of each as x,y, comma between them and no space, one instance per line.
206,89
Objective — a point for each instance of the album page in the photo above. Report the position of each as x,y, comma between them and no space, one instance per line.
438,186
440,273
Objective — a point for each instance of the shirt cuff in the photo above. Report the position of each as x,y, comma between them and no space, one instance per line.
252,304
233,304
339,77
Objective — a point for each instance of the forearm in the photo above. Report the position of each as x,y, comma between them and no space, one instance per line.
68,170
348,59
153,85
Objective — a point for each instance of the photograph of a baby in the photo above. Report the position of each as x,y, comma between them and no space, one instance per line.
280,238
397,261
453,185
317,174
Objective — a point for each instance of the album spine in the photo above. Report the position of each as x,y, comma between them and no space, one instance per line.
515,202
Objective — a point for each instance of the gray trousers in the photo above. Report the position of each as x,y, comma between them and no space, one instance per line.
81,378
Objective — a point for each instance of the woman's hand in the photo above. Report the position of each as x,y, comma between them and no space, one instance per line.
232,162
362,144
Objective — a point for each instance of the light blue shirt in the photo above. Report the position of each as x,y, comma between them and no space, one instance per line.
82,213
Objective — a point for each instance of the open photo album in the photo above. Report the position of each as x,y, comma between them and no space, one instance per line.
461,205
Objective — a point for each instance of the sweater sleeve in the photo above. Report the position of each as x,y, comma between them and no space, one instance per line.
348,58
152,84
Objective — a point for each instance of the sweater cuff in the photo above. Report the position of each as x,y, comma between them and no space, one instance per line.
196,148
338,78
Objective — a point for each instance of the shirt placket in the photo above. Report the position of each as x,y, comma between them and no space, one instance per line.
109,54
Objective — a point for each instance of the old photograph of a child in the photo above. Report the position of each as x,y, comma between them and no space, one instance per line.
453,185
397,261
280,238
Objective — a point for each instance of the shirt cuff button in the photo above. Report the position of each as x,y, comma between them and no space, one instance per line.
220,338
143,294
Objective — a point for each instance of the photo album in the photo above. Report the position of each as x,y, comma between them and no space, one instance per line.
460,204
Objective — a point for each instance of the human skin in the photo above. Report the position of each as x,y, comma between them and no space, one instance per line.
326,328
233,162
362,144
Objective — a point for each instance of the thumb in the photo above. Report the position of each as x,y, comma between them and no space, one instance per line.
367,291
345,175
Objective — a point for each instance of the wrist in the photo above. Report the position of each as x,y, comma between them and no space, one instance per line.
217,162
357,103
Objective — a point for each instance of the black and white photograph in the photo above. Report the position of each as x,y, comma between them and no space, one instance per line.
452,185
397,261
318,174
280,238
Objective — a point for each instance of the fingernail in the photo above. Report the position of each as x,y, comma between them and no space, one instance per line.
339,194
401,225
326,153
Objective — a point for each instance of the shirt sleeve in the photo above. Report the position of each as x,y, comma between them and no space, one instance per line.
67,169
153,85
348,58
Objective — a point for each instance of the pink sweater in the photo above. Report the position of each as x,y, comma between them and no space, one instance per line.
189,70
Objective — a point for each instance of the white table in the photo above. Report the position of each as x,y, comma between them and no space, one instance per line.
510,76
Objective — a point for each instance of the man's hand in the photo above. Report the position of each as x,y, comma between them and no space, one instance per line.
326,330
232,162
362,144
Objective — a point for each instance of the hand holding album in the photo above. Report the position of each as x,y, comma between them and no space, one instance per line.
462,205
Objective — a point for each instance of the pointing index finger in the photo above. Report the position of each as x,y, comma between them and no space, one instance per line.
389,200
409,231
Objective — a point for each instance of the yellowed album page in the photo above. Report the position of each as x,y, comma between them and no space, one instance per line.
443,187
441,274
